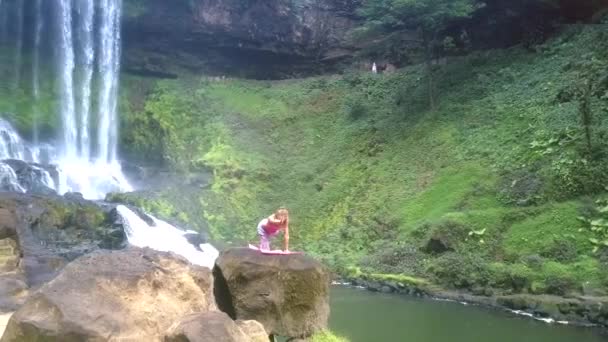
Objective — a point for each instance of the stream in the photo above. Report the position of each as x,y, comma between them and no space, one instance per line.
364,316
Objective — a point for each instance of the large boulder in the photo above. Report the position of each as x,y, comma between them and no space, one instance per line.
129,295
213,326
288,294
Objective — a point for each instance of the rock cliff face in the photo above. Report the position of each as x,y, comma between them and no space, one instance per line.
215,34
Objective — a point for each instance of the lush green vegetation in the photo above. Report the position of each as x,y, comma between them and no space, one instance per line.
495,188
17,99
327,336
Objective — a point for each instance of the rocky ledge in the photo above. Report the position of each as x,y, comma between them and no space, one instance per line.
256,37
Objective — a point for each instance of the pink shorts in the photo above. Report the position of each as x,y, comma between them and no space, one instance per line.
264,236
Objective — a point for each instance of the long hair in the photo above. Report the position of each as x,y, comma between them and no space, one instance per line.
282,212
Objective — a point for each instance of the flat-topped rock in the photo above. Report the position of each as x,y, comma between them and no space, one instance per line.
288,294
129,295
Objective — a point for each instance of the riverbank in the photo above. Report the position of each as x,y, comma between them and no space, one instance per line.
364,316
574,310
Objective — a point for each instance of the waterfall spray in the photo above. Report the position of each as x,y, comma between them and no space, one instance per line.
108,65
86,10
36,66
67,81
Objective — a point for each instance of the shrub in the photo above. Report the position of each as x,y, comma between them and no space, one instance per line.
461,270
354,107
558,285
445,236
516,277
558,279
395,258
561,250
533,261
521,187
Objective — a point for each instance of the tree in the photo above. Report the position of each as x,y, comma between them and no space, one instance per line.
429,18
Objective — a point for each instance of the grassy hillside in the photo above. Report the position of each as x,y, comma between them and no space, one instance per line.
497,188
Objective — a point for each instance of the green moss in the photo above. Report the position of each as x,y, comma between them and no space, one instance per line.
156,206
444,194
327,336
541,231
399,278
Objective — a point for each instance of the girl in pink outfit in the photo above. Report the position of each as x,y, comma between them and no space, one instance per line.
271,226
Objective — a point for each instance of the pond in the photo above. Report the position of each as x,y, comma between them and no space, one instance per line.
364,316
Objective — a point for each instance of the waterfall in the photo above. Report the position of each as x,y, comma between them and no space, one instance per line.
108,66
19,45
86,34
67,66
93,177
162,236
86,10
11,145
8,179
36,66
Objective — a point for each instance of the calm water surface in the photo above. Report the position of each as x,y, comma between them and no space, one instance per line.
363,316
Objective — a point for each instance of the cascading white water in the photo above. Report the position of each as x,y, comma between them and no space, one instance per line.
164,237
67,66
36,67
93,177
11,145
109,65
86,10
8,178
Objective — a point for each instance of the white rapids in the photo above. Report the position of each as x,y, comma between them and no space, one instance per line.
164,237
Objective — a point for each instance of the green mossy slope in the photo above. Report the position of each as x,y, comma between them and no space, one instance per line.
485,191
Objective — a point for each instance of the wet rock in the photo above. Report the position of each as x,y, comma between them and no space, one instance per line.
34,178
288,294
134,294
195,238
386,289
